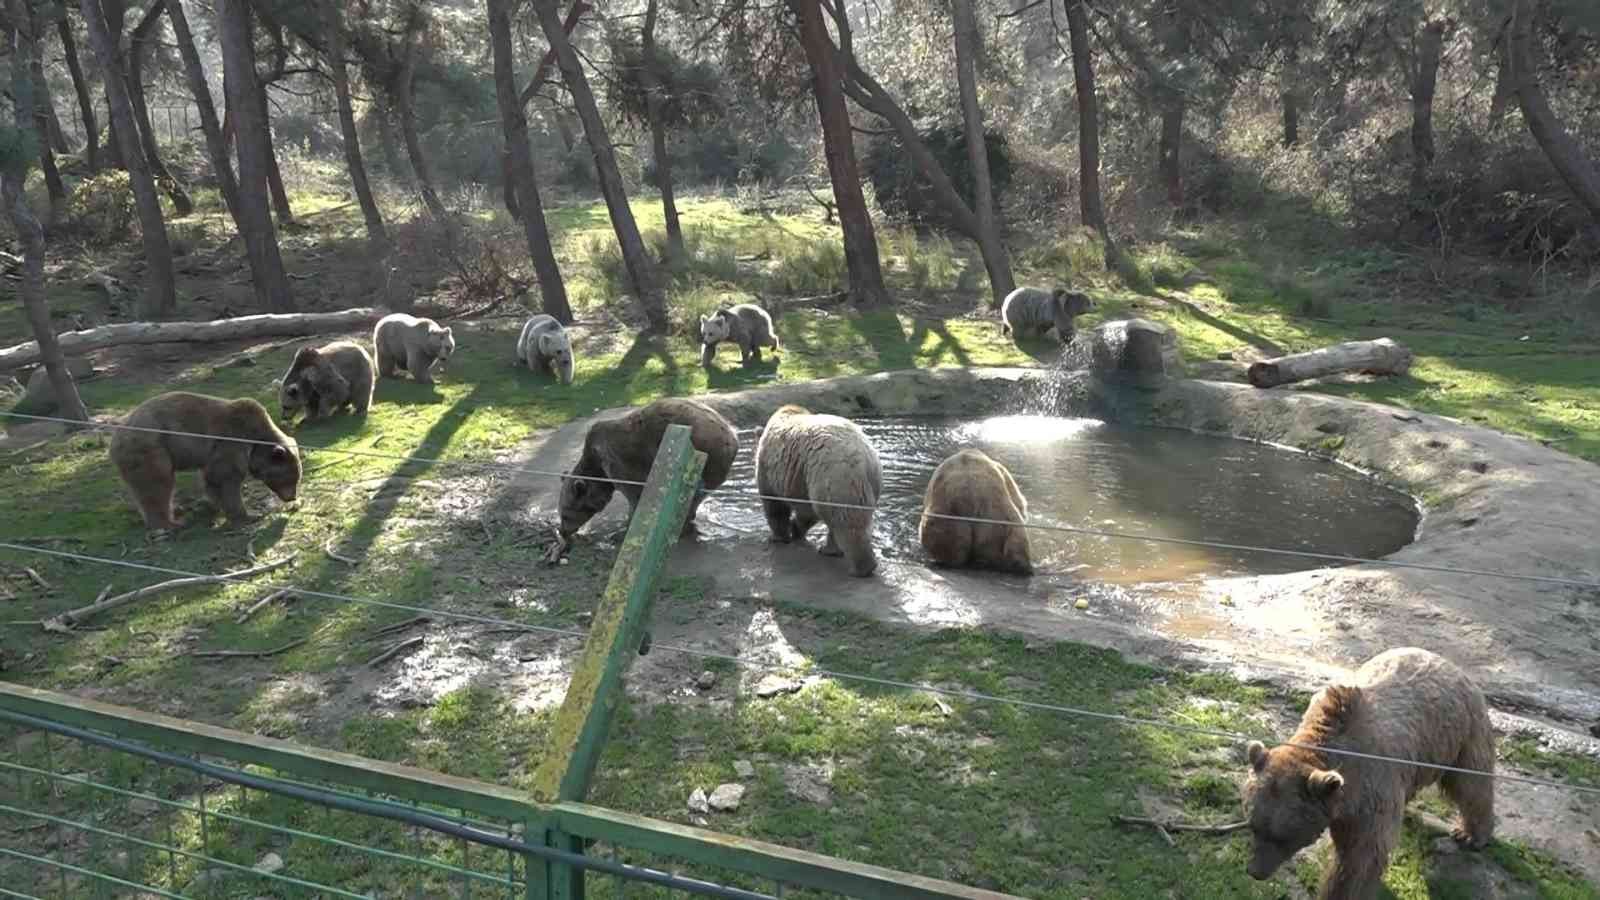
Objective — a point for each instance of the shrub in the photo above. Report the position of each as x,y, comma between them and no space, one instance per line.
102,208
903,193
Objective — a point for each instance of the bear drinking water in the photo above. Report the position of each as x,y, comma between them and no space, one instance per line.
970,484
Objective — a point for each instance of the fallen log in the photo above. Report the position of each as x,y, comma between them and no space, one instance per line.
268,325
1380,357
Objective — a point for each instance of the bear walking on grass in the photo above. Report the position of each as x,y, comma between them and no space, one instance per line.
746,325
415,345
625,448
827,460
972,485
180,431
544,346
321,380
1030,312
1405,703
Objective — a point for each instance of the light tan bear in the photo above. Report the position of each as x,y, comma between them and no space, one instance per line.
826,460
971,484
1030,312
148,460
1405,703
415,345
746,325
624,448
544,346
322,380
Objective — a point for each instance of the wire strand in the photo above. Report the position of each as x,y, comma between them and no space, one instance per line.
976,696
749,496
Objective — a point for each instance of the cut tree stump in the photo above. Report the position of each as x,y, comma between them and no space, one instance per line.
272,325
1380,357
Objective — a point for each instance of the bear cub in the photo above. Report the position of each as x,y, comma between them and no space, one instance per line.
402,342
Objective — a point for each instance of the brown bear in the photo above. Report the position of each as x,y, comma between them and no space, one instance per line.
803,456
1029,312
971,484
1405,703
147,460
624,449
416,345
322,380
746,325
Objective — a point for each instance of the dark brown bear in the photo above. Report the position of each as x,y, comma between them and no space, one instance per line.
148,460
321,380
624,449
1406,704
972,485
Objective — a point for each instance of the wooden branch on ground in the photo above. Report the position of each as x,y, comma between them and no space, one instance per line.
1165,828
397,627
1380,357
396,650
261,604
249,654
69,620
328,549
268,325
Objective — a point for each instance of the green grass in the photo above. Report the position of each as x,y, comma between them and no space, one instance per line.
1014,799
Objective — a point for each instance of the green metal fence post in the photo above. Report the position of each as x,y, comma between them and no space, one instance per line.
580,727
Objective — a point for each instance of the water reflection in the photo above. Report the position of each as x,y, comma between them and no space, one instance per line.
1160,482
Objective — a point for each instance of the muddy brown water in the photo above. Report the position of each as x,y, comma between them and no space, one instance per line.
1086,473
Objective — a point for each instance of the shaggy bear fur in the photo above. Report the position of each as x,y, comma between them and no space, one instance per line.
148,461
321,380
826,460
544,346
1030,312
1405,703
972,484
746,325
412,344
624,449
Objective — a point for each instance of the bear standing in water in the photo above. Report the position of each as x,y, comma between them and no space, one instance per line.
971,484
803,456
1406,704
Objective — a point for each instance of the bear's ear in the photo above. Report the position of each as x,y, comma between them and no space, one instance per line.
1256,752
1324,783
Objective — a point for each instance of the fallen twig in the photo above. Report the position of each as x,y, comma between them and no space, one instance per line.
489,307
259,604
70,620
37,579
1166,827
396,650
34,446
256,654
328,549
397,627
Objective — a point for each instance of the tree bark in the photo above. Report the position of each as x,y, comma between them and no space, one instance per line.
860,241
24,84
1505,92
574,14
1564,153
54,186
658,129
239,328
80,86
641,271
384,119
1289,96
408,124
143,39
112,153
522,188
47,103
275,189
1090,204
194,71
995,259
1430,42
255,219
1174,107
377,235
1380,357
160,296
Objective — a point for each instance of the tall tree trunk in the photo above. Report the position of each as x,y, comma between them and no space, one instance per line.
58,135
564,129
1430,42
80,86
144,35
995,259
280,197
658,129
860,241
1174,106
1505,92
640,269
24,85
1289,96
521,187
408,128
1565,154
160,296
377,235
243,93
383,119
194,71
41,92
1091,206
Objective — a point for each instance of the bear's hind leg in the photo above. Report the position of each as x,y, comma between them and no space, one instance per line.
152,483
1473,795
778,516
420,365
